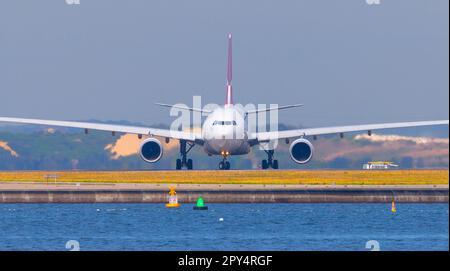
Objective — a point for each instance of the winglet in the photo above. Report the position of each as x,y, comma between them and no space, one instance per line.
229,98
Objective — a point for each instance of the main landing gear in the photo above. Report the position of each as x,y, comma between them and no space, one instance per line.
184,150
270,162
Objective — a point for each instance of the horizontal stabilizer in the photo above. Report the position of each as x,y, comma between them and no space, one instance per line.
184,107
273,108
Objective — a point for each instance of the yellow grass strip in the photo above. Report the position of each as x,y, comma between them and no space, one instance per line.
310,177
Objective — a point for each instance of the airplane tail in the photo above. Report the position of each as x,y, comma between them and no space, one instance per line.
229,98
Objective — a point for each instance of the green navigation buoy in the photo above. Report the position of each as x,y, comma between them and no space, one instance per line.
200,204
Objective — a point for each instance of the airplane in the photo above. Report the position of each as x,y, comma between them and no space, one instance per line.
223,132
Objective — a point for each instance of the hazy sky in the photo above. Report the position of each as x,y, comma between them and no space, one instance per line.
348,61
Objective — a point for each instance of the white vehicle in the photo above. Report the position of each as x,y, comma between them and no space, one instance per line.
223,133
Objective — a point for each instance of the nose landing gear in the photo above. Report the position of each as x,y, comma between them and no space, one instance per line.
224,164
270,162
184,162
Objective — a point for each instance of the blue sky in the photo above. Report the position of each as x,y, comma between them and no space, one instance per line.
347,61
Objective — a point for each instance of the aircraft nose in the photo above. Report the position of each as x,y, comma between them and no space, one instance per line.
227,133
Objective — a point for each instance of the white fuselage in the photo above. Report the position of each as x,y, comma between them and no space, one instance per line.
224,132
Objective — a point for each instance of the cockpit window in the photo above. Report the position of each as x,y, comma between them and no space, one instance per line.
221,122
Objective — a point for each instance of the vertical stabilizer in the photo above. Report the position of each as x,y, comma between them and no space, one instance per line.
229,98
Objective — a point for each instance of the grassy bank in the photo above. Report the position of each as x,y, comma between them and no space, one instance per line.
318,177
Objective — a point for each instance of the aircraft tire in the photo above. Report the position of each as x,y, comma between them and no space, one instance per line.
275,164
264,164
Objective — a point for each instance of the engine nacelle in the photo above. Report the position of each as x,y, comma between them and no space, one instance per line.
151,150
301,151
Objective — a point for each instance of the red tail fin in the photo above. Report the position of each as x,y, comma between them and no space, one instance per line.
229,99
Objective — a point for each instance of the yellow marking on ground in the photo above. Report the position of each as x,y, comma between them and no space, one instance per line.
306,177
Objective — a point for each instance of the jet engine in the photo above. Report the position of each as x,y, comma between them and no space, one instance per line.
151,150
301,151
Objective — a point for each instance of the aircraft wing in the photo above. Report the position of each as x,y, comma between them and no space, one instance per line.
266,136
109,127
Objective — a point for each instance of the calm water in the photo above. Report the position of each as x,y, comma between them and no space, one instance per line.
244,227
